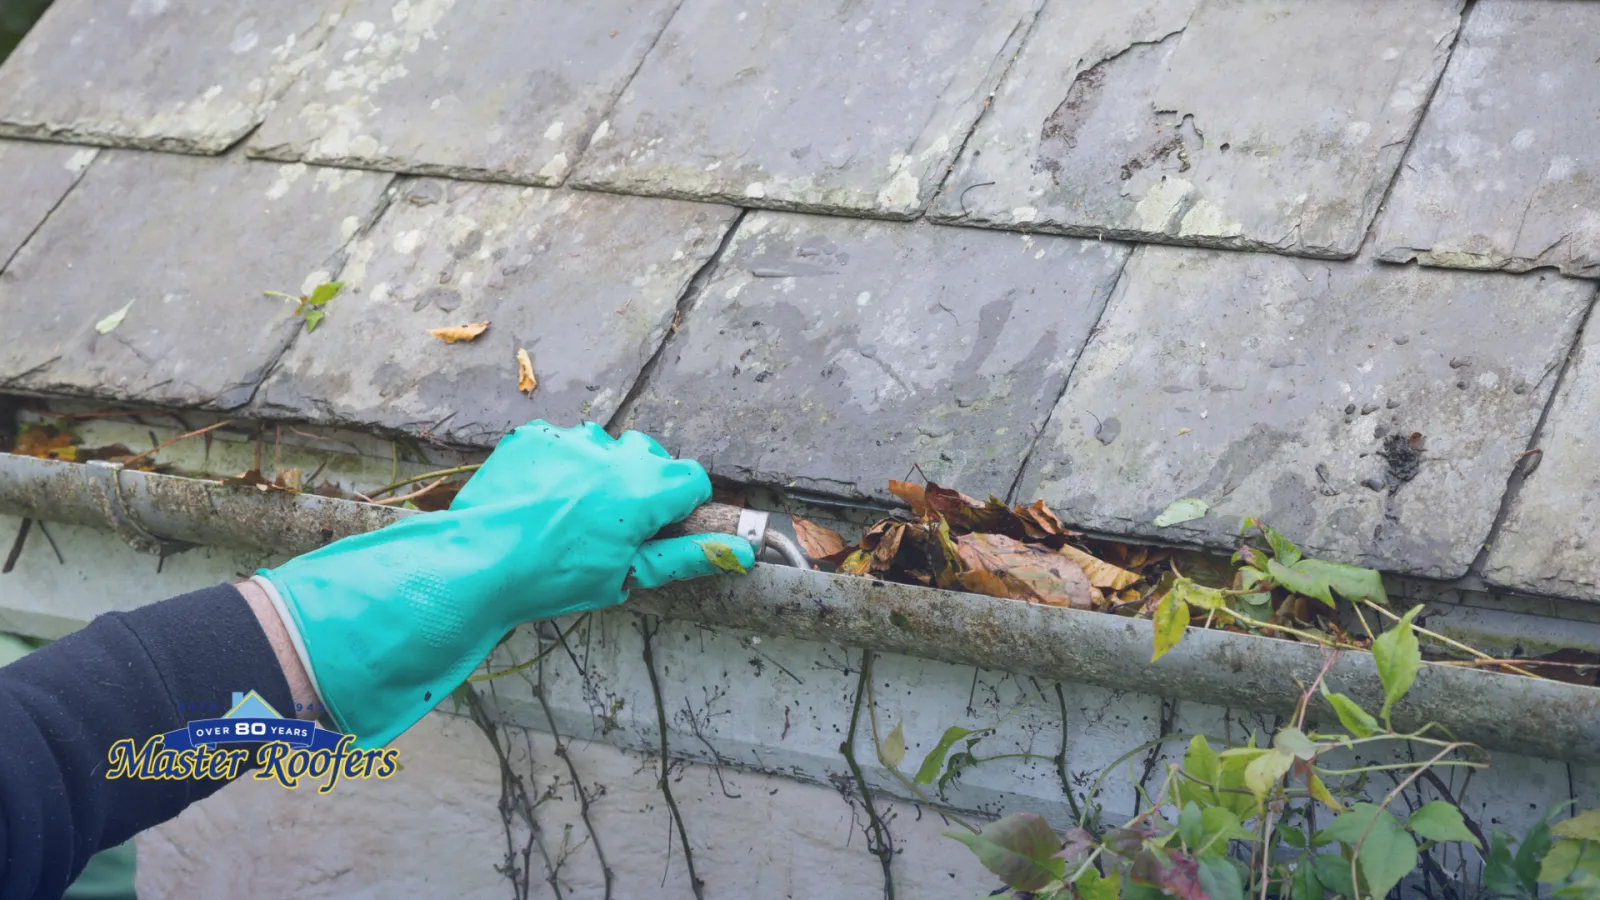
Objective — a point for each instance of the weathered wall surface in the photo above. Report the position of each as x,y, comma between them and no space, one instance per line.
754,727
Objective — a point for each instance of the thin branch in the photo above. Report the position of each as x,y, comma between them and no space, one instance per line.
666,761
128,463
1061,758
1355,852
442,473
881,845
404,497
1448,642
16,546
490,676
577,783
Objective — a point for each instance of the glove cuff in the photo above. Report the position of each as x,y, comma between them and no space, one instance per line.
293,629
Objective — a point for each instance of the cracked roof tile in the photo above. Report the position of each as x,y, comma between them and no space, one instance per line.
1502,174
1269,125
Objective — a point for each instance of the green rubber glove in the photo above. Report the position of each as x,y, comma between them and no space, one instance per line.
558,520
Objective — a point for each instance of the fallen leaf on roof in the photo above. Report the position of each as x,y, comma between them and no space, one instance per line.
526,381
105,326
1186,510
912,494
722,556
817,541
458,333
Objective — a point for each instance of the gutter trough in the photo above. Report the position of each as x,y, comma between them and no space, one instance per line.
163,513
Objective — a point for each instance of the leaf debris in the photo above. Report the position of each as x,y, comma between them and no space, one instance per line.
105,326
455,334
527,382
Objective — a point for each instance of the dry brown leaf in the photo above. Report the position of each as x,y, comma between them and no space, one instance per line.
1028,572
1101,574
912,494
888,547
817,541
526,381
457,333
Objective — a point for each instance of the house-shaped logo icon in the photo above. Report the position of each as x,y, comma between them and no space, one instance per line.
251,706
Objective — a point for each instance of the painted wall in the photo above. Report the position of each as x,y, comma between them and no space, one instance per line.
753,726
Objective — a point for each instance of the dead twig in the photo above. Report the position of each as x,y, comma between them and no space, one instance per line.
404,497
442,473
128,463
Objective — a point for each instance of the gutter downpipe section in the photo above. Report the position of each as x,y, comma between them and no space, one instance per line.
1554,720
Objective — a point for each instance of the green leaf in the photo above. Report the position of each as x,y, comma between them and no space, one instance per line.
1018,849
313,319
1294,837
894,747
1399,658
1334,873
1354,719
1304,884
1587,888
1283,549
1091,885
1500,875
1320,580
1207,598
104,326
1292,740
1186,510
1171,618
461,696
1220,879
1532,853
324,293
1199,761
1439,821
1387,853
1231,777
722,556
929,770
1568,857
1584,826
1262,775
1191,827
1219,825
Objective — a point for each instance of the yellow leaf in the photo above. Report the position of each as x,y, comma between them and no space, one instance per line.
894,747
526,381
457,333
1101,574
1171,618
817,541
1263,772
1320,792
722,556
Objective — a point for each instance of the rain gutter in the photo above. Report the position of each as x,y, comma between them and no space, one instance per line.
1554,720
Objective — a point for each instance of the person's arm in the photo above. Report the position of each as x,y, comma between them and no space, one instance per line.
125,675
376,629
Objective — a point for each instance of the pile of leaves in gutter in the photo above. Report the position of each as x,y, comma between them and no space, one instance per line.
955,542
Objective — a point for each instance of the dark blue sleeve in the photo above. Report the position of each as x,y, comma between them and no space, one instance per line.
125,675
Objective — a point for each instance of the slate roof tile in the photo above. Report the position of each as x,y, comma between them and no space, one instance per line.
587,283
187,245
1272,125
502,90
1547,543
37,177
1503,173
1273,387
192,77
830,353
855,108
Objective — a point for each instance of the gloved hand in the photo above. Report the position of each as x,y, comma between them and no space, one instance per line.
557,521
